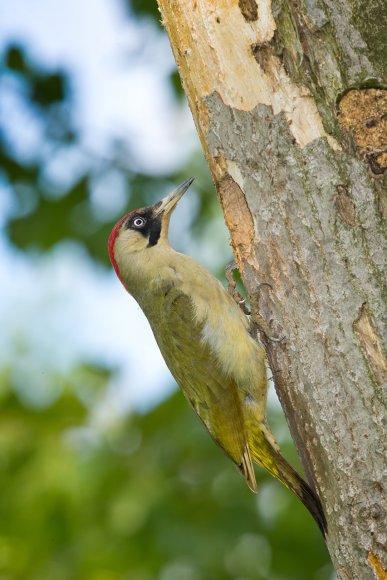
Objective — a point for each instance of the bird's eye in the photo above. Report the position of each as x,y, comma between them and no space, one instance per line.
139,222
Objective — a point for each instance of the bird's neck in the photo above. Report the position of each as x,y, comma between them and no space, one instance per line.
145,273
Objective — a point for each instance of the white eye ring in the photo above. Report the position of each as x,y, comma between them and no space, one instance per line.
139,222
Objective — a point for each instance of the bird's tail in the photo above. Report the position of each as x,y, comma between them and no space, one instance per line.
265,452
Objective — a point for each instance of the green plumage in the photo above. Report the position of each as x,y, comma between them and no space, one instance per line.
197,371
204,339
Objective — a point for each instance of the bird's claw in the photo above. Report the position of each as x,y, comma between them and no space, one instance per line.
261,323
232,287
264,327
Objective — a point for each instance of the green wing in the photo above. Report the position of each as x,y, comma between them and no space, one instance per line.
212,394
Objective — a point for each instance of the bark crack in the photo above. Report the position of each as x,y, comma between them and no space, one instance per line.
238,218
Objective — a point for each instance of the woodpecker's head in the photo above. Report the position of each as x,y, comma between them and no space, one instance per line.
142,230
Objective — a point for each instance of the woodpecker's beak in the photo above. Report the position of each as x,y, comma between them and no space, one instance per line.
167,204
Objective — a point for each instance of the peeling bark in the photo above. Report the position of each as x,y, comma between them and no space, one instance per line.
295,142
376,565
371,345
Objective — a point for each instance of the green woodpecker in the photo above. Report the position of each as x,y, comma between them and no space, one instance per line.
204,338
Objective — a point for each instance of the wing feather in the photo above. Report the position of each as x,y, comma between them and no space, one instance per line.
210,391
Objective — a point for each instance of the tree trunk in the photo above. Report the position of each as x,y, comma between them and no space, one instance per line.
288,103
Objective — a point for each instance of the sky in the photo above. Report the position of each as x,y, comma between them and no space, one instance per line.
59,309
119,66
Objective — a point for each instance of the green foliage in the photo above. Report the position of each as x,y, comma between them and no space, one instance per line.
149,497
176,84
147,8
45,88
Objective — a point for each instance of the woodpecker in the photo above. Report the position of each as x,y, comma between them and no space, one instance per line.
204,338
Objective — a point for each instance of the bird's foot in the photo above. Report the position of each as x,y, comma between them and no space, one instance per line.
264,327
261,323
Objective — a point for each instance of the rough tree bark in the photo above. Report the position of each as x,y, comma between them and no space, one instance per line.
289,104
